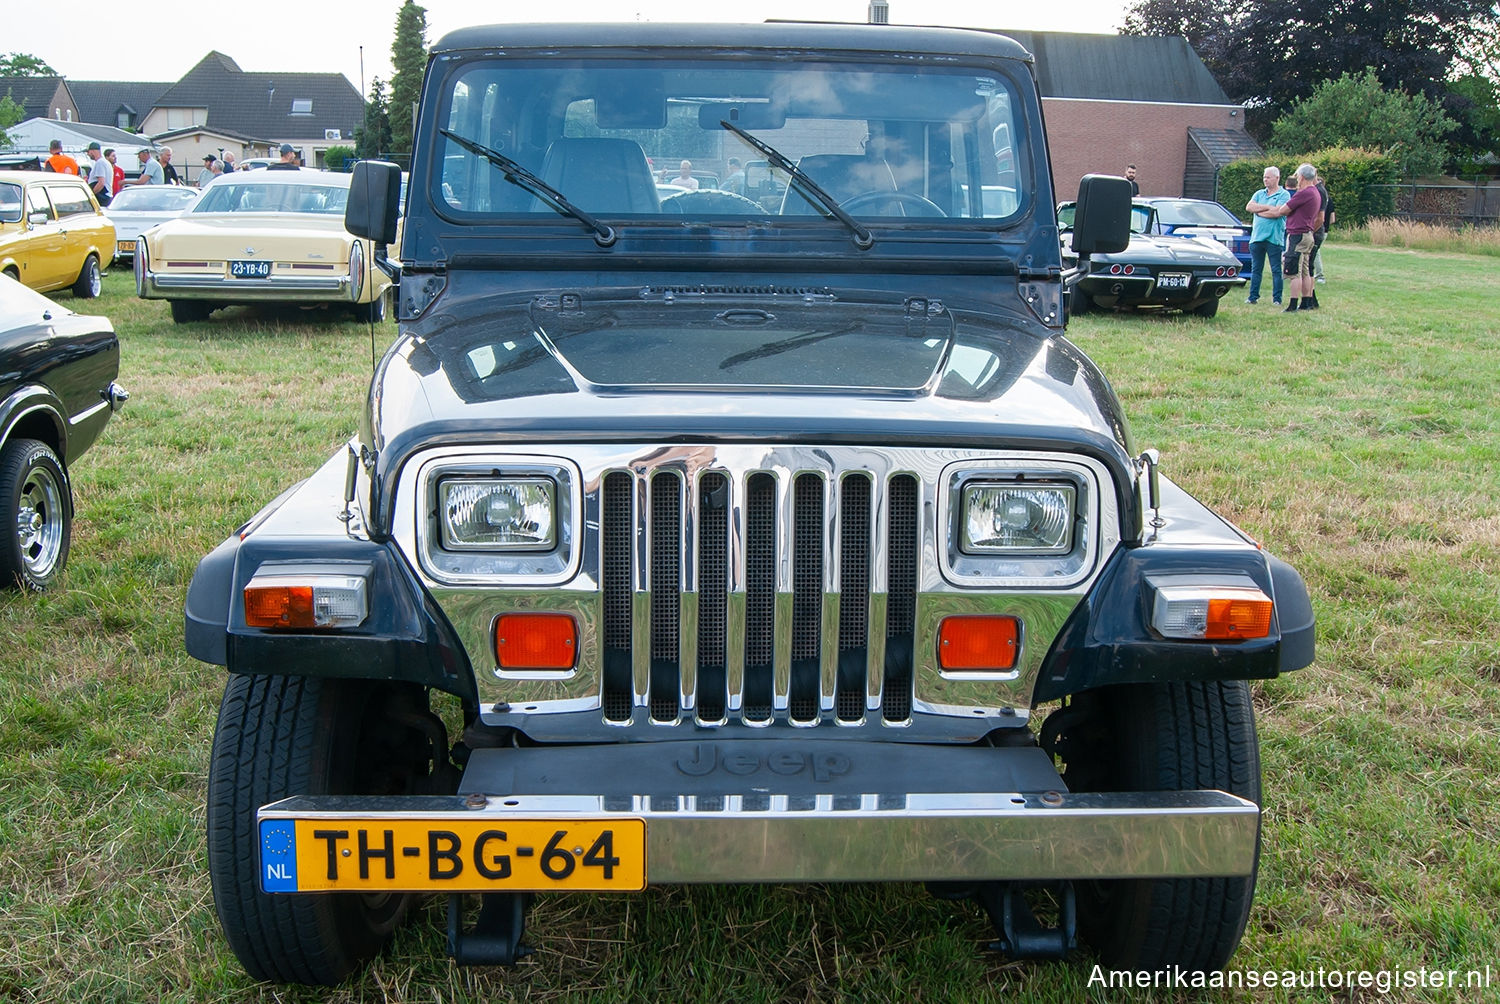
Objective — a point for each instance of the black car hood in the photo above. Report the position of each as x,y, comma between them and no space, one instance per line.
817,367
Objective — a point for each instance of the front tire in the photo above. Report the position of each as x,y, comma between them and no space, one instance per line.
88,284
1163,737
279,736
38,515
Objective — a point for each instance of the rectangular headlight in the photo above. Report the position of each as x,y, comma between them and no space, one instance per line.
498,514
1013,518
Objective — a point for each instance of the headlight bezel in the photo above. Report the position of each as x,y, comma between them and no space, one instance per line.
1058,567
493,563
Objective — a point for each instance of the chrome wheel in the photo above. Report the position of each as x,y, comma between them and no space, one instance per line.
40,523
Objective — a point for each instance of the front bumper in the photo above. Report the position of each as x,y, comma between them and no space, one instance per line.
756,811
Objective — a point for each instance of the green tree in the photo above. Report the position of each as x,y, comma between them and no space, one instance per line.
21,64
373,138
409,56
1356,111
1473,102
10,114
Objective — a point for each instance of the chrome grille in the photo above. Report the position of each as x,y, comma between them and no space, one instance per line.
762,599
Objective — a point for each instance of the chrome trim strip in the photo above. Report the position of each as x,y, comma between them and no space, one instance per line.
885,838
219,283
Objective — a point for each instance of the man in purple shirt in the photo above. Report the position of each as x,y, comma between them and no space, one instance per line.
1301,213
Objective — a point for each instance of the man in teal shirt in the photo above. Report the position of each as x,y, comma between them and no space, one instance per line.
1267,234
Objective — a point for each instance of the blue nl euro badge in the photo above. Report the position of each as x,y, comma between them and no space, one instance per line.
278,855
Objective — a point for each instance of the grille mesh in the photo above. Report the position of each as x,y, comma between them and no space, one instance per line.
807,595
760,595
666,594
713,594
854,596
901,603
615,533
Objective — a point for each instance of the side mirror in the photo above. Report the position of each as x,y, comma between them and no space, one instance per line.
374,201
37,219
1101,219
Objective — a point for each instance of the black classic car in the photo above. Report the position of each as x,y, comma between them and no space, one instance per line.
57,391
1157,271
773,540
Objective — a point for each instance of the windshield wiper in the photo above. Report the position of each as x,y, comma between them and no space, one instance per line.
604,235
863,239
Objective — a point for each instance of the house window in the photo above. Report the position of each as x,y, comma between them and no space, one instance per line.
302,106
122,120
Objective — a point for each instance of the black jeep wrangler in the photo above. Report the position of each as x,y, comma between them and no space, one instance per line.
775,539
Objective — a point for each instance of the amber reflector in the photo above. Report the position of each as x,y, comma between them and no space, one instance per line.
535,641
1238,617
983,643
279,606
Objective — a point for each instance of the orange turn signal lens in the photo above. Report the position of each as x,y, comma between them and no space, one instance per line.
1239,617
279,606
978,642
535,641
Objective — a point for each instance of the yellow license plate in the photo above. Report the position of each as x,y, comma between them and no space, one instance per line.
353,854
124,247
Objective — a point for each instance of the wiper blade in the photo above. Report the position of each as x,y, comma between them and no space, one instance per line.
863,239
604,235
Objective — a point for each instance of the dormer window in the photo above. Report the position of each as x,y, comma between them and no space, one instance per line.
302,106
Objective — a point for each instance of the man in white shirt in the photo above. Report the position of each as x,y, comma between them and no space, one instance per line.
685,177
101,176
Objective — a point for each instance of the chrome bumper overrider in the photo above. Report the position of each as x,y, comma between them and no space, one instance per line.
887,838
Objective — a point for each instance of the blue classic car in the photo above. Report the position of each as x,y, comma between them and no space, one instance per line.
57,391
1201,218
1156,272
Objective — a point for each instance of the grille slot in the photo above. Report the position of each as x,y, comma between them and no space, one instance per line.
760,596
901,602
854,596
807,596
713,595
615,533
666,595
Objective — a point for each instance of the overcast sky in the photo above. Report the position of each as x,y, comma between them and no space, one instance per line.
164,41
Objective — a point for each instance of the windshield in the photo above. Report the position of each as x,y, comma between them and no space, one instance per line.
263,197
622,138
1194,214
154,198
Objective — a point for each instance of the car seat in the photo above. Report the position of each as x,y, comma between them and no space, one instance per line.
601,175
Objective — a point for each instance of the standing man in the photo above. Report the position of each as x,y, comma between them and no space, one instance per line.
1135,189
1325,221
228,162
101,175
685,177
59,161
1267,234
116,170
150,170
288,159
168,172
736,181
1301,212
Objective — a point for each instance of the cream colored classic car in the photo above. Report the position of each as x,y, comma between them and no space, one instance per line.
52,235
264,236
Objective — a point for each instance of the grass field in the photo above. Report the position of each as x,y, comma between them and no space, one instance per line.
1361,443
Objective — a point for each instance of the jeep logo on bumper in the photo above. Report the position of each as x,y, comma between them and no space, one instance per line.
703,759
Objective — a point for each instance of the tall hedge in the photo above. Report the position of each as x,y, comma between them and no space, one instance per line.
1353,177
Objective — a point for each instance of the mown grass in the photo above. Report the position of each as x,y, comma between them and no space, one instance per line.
1361,442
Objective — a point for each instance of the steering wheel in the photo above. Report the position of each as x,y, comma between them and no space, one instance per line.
710,200
925,207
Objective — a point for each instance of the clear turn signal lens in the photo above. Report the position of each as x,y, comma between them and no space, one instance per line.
1213,613
306,601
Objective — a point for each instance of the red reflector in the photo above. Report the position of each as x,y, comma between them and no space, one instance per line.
279,606
1114,270
978,642
1238,618
1129,269
536,641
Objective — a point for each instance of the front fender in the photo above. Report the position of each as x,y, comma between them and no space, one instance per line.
405,637
1108,638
